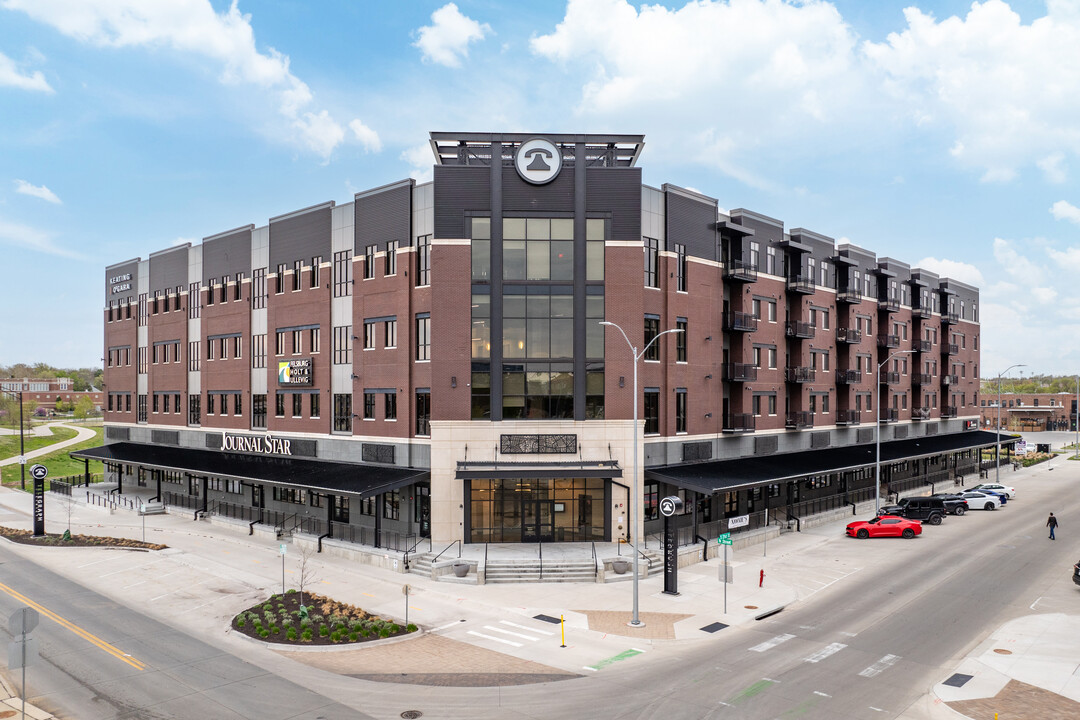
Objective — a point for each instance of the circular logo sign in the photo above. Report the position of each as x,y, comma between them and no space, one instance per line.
39,472
538,161
667,507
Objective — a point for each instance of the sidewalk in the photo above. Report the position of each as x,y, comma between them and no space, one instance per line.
82,434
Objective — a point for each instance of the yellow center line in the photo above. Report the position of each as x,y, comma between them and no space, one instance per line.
92,639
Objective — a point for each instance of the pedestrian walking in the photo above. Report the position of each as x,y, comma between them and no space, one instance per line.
1052,523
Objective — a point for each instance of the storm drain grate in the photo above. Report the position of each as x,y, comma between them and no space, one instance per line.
714,627
548,619
412,714
957,680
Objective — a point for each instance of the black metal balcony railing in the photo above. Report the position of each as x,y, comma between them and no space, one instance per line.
889,305
736,321
848,417
852,297
889,415
888,341
800,374
797,329
848,377
890,378
740,372
922,346
920,414
949,348
848,335
740,271
950,379
948,411
922,313
739,423
922,379
950,318
799,420
801,284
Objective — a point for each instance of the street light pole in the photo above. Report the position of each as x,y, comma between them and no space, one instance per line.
635,620
877,429
997,452
1076,443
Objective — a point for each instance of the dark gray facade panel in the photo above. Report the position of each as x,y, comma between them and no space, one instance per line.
300,237
521,197
460,189
169,270
692,224
227,255
121,282
767,234
899,432
380,217
616,191
766,444
864,436
820,439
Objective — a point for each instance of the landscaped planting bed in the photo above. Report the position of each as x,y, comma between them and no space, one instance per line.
328,622
26,537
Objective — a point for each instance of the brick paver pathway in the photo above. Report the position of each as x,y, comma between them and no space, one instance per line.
658,626
1019,701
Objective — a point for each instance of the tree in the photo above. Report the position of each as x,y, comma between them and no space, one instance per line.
307,573
84,408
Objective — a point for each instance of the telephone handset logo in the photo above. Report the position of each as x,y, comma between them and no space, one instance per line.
538,161
538,155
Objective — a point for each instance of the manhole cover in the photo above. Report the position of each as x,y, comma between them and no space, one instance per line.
750,607
1002,651
412,714
7,713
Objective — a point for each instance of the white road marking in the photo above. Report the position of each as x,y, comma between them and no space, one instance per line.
725,704
589,668
495,639
770,644
880,666
510,632
448,625
133,585
770,680
821,694
96,562
848,634
137,567
876,709
525,627
1032,606
825,652
205,604
637,650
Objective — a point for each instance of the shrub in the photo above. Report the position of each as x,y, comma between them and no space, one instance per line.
384,632
306,635
305,622
335,636
353,637
240,622
290,591
323,631
264,633
394,628
291,633
410,628
268,606
275,629
365,632
355,627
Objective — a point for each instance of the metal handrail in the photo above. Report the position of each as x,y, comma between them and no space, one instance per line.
540,547
596,565
415,545
456,542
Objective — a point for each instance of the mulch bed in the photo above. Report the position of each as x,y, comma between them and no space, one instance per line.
26,537
328,623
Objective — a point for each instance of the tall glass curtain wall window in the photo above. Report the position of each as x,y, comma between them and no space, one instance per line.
537,321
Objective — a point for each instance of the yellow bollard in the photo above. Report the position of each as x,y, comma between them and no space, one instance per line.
562,626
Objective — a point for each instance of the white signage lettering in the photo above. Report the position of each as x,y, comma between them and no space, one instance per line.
120,283
262,444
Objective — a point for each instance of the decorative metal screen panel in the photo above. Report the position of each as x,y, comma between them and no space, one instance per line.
115,433
696,451
819,440
865,436
213,441
765,445
899,433
538,444
165,437
932,428
378,453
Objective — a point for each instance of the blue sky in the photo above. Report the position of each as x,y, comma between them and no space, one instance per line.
940,133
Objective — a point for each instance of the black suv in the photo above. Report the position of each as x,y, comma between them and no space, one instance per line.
1076,573
954,504
931,510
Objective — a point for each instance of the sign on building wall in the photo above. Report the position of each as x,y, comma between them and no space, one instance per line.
260,444
295,372
120,283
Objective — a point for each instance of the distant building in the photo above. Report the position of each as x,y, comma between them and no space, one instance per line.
1030,412
47,391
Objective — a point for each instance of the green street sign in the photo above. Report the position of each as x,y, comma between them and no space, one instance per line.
724,539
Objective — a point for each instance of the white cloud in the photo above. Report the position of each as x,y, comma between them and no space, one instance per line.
39,191
446,40
1015,264
1062,210
1044,295
964,272
419,157
1053,168
11,77
193,27
1068,259
30,238
367,137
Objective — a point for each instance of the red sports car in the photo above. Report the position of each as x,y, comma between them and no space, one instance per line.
885,526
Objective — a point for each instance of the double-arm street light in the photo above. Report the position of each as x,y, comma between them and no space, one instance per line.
635,621
877,429
997,453
22,446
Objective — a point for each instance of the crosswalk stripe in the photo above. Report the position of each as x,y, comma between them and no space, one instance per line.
880,666
488,637
525,627
510,632
769,644
825,652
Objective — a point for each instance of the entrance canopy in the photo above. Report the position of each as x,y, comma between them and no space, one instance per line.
320,476
726,475
476,470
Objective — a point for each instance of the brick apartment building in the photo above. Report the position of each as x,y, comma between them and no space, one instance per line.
428,359
47,391
1029,412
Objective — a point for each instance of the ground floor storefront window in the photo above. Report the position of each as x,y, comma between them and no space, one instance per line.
558,510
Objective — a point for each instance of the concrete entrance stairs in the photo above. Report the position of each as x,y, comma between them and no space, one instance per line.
521,563
525,570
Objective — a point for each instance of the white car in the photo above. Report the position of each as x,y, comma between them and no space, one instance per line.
981,501
1007,491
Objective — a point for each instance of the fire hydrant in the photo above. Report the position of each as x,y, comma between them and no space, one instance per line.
761,579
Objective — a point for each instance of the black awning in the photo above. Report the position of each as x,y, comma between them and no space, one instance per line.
725,475
316,475
487,470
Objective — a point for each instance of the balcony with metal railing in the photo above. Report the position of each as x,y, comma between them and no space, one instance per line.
922,346
801,284
799,329
799,420
890,378
888,341
919,414
848,417
848,377
922,379
889,415
949,348
950,318
851,336
735,321
799,374
950,379
889,305
740,372
851,297
739,423
948,411
922,313
740,271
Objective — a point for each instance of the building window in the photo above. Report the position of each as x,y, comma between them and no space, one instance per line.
680,410
652,260
314,405
391,258
423,412
258,289
315,263
314,340
343,345
680,340
369,335
298,275
237,290
423,336
141,411
258,351
343,273
369,262
423,260
343,413
369,406
194,412
680,267
340,509
390,328
391,406
297,342
279,342
297,405
258,412
652,411
392,505
652,329
238,347
538,249
279,405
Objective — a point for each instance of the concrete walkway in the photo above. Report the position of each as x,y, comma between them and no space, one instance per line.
82,434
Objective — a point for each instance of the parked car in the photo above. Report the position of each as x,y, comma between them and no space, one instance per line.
928,509
954,504
1002,497
982,501
1076,573
1007,491
884,526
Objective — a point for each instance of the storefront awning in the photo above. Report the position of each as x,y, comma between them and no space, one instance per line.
314,475
488,470
727,475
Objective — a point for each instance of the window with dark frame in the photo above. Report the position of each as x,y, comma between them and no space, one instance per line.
423,336
652,329
680,410
652,262
315,263
343,273
258,412
258,289
390,406
391,258
680,267
342,413
369,406
297,405
279,405
298,275
369,261
423,411
651,411
423,260
680,340
314,405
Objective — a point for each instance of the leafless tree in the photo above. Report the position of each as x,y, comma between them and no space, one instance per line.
307,572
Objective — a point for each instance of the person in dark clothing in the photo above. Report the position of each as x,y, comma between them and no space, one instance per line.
1052,523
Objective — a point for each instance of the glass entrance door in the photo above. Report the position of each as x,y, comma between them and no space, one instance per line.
538,520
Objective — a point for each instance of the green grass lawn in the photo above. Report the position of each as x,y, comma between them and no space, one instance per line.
9,444
59,464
